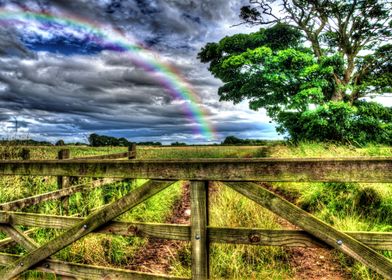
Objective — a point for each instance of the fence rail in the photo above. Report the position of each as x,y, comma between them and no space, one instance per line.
238,174
371,170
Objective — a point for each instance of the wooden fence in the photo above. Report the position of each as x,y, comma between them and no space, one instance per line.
239,174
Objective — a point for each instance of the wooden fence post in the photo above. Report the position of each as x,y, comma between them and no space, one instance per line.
132,151
199,239
25,154
63,182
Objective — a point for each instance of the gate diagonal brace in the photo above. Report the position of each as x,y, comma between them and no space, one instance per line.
29,244
92,222
295,215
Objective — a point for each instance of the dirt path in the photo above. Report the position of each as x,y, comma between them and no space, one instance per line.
307,263
157,254
310,263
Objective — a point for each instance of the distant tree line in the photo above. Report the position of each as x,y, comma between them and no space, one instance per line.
232,140
25,142
96,140
149,143
178,144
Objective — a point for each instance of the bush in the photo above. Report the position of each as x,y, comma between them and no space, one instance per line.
96,140
365,122
60,143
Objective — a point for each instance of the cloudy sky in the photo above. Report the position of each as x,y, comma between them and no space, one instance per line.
60,82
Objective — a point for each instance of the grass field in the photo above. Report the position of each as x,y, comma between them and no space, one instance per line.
346,206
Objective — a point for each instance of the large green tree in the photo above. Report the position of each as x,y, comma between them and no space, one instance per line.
311,66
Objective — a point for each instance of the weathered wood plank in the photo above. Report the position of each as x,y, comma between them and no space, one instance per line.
156,230
33,200
252,236
8,241
199,238
316,227
84,227
26,242
164,231
266,169
132,151
25,154
291,238
19,237
108,156
264,237
81,271
64,182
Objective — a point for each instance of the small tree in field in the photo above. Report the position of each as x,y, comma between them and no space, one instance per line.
60,143
311,66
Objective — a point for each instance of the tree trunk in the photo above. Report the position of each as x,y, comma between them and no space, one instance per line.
338,92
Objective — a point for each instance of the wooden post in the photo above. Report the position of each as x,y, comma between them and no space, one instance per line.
25,154
132,151
63,182
199,240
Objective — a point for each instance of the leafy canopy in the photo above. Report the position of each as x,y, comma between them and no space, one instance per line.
320,58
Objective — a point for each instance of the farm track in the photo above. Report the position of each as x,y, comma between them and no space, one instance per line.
307,263
156,256
310,263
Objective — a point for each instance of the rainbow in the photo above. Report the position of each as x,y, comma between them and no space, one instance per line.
115,40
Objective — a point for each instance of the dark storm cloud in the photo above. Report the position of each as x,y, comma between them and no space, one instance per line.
61,93
77,96
10,44
178,24
57,94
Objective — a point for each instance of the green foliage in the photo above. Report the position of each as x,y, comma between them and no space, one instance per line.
178,144
232,140
26,142
96,140
340,122
150,143
60,143
273,68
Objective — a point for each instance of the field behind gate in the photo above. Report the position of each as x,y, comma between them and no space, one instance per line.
349,207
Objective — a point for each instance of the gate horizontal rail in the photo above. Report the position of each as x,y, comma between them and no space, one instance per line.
371,170
251,236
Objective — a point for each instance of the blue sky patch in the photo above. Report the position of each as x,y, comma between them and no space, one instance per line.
65,46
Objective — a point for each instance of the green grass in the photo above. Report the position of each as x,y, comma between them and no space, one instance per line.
228,261
229,209
349,207
97,249
352,207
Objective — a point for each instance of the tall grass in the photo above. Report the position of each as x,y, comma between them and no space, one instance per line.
346,206
227,261
355,207
96,249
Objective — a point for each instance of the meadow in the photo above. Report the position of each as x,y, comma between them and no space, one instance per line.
349,207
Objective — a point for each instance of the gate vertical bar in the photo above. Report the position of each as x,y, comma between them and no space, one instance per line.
63,182
199,240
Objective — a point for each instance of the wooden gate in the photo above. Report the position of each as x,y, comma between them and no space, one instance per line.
241,175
